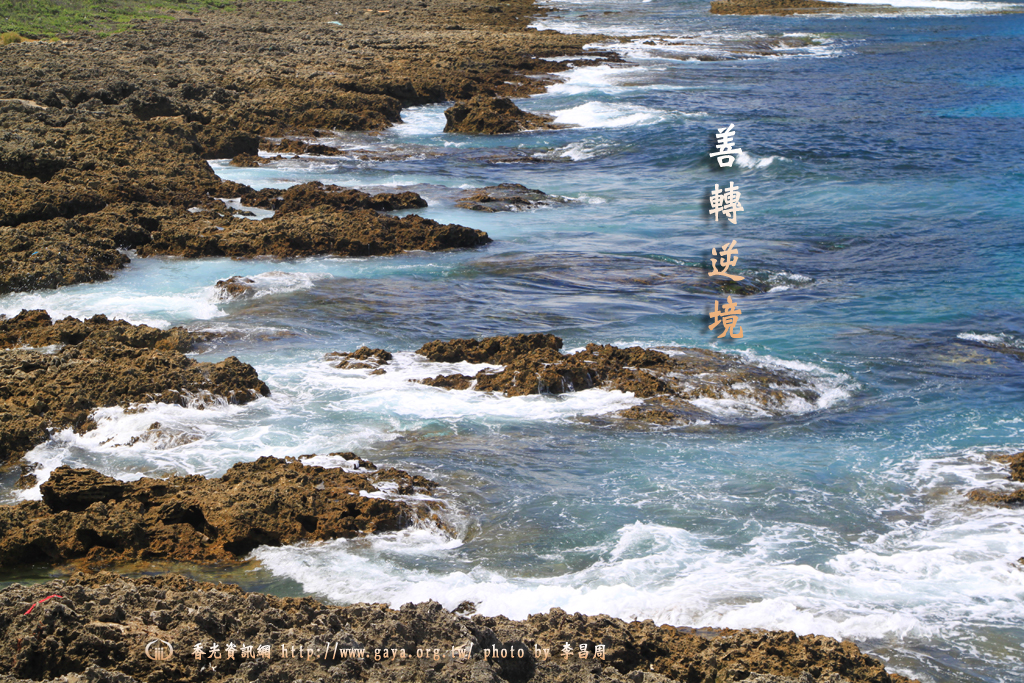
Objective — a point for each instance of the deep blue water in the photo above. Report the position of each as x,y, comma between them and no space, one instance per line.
882,196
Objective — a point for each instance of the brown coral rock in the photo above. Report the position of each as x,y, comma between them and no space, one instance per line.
363,357
1014,498
310,195
492,116
267,502
101,623
95,363
669,382
318,231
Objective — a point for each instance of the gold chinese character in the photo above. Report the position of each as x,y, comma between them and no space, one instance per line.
727,258
728,316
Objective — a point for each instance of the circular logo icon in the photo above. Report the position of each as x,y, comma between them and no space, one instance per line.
159,650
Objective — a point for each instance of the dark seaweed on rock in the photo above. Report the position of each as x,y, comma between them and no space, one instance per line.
86,515
98,363
99,626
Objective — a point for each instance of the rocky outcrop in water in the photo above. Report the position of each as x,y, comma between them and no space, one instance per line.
235,287
788,7
361,358
318,231
87,516
97,627
54,374
311,195
505,197
493,116
1014,498
672,381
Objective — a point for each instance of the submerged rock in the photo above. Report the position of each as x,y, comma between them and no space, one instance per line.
505,197
54,374
86,515
235,287
363,357
101,624
492,116
1015,497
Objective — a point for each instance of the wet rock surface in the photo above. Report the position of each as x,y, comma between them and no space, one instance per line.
782,7
1014,498
54,374
125,123
363,357
670,381
236,287
483,115
505,197
100,624
311,195
87,516
320,230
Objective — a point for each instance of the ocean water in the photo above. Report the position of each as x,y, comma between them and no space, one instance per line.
881,184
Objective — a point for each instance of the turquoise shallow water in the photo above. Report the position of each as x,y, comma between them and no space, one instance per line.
882,201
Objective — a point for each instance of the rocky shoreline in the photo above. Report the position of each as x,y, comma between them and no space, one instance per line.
97,628
97,520
104,145
104,141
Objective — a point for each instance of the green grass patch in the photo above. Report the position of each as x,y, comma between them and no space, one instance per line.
11,37
53,18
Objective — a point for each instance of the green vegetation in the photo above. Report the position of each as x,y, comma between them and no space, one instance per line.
11,37
52,18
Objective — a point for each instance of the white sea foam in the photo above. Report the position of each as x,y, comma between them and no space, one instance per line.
580,150
1000,338
903,584
397,392
605,115
257,213
273,282
116,300
603,78
751,161
425,120
782,281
